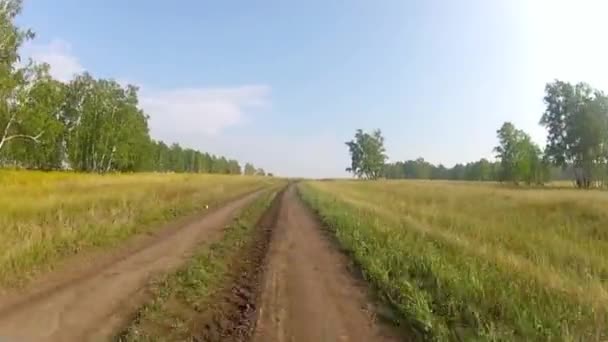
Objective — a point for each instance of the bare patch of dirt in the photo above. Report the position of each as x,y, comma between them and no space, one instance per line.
309,293
90,298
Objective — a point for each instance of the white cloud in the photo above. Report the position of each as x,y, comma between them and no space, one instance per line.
173,112
200,110
58,54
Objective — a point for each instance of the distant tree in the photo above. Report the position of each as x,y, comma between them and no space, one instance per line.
520,159
367,154
507,149
393,170
221,165
176,158
458,172
249,169
161,156
481,170
422,169
439,172
207,162
484,168
260,172
235,167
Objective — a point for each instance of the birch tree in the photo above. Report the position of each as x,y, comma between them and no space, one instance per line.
15,79
576,119
367,154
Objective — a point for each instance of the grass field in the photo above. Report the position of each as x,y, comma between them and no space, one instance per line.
47,216
474,261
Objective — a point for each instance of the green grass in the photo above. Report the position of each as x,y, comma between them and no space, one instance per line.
473,261
178,298
45,217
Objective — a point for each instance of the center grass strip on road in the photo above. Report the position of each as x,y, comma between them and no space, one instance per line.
447,284
180,300
47,216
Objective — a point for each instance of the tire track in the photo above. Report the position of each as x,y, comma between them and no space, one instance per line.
308,293
93,305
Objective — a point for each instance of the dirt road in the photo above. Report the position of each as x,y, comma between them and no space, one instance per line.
308,293
92,305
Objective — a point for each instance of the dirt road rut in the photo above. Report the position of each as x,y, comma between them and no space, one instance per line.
93,306
308,293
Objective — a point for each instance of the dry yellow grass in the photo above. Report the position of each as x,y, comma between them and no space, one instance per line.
46,216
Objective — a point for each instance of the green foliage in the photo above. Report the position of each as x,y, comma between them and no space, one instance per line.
249,169
11,38
36,124
482,170
520,158
576,118
19,85
105,129
367,154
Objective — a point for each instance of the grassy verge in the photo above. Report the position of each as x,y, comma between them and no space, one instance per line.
474,262
180,299
47,216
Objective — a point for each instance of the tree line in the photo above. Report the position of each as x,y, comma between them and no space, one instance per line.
86,124
481,170
576,120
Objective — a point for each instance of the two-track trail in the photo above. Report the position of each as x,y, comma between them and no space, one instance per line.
92,303
298,284
308,292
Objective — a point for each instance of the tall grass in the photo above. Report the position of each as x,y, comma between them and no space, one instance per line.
46,216
465,261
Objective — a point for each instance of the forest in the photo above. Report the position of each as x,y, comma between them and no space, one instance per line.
481,170
87,124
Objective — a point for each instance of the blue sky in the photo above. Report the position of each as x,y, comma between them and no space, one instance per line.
283,84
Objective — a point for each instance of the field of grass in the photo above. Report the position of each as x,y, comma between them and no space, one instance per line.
473,261
180,298
47,216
